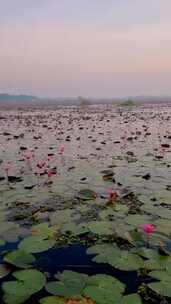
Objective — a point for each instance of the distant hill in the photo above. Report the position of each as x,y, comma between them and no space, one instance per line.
16,98
7,99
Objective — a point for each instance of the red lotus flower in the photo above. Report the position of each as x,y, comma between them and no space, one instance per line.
112,195
41,164
50,173
28,156
147,228
7,167
61,150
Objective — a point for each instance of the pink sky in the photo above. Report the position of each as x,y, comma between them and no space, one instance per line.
88,52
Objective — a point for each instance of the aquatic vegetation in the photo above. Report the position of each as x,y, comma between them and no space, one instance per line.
26,284
106,187
163,286
147,228
19,258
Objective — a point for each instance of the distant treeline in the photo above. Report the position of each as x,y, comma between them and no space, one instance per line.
7,99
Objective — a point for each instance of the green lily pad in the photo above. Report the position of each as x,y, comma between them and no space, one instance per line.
69,284
157,263
52,300
136,219
74,228
36,244
9,231
104,289
28,282
86,194
101,228
19,258
132,299
112,255
44,230
164,276
62,217
162,288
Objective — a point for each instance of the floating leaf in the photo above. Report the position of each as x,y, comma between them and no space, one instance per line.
36,244
62,217
162,287
28,282
86,194
9,231
157,263
132,299
104,289
52,300
112,255
101,228
44,230
74,228
19,258
137,219
70,284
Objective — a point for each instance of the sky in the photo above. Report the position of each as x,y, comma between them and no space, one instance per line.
95,48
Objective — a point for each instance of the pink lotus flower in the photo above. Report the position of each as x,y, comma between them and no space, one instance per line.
50,173
112,194
61,150
147,228
41,164
28,156
7,167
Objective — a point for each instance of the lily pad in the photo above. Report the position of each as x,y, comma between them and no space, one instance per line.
112,255
132,299
101,228
44,230
69,284
136,219
36,244
52,300
28,282
162,287
86,194
104,289
19,258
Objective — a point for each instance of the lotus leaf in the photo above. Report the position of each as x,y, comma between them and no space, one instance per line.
28,282
44,230
35,244
52,300
111,254
69,284
132,299
104,289
86,194
137,219
164,276
101,228
19,258
157,263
